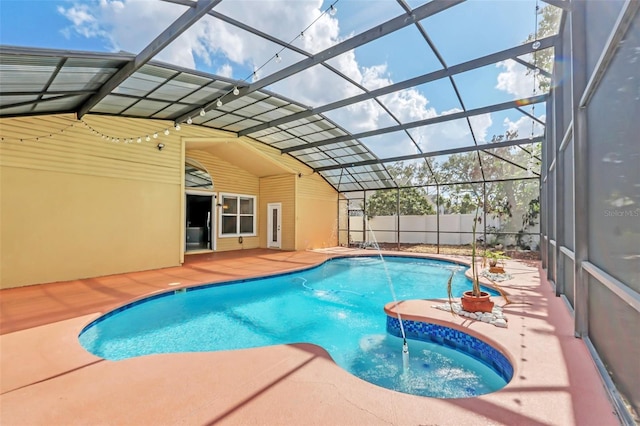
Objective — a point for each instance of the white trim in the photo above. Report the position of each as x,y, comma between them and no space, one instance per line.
220,215
567,137
624,292
205,193
270,241
567,252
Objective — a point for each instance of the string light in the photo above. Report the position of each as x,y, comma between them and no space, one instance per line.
37,138
277,58
128,140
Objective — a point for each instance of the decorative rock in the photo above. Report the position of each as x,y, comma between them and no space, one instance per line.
496,317
495,277
500,322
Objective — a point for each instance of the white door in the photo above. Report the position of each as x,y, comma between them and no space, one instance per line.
274,225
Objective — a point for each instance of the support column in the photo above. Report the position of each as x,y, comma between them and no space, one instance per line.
398,218
437,218
581,165
560,194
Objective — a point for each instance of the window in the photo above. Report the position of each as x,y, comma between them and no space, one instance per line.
196,176
238,215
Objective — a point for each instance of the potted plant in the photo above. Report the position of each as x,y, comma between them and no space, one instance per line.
474,300
493,258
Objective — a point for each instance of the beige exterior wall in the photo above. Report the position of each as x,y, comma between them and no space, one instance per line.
316,217
73,205
279,189
229,179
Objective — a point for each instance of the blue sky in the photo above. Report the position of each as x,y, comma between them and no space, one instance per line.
461,33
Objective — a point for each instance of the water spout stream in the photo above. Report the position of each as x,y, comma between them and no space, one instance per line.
405,346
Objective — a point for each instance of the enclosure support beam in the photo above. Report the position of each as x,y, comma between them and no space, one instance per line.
438,219
581,165
554,110
173,31
484,215
398,217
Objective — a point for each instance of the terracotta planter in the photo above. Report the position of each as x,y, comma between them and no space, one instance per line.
471,303
496,269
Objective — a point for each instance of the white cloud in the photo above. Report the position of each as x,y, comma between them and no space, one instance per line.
83,22
226,70
131,25
481,124
524,126
514,79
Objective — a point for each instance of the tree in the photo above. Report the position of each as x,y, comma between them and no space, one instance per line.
548,21
413,201
509,200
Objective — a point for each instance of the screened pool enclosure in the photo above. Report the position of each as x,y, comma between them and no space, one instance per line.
422,117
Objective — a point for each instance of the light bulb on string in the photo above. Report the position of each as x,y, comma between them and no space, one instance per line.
202,112
333,10
189,120
147,139
301,35
219,103
278,58
177,127
155,135
139,139
236,91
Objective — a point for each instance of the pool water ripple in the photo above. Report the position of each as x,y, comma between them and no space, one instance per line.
337,305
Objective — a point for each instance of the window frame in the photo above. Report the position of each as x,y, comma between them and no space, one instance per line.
238,215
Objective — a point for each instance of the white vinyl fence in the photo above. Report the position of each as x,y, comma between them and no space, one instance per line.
455,229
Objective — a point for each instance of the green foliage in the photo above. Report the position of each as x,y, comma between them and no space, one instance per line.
504,199
493,257
548,22
413,201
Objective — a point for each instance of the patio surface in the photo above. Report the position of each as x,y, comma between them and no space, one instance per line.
47,378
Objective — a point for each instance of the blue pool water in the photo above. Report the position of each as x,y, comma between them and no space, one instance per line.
338,305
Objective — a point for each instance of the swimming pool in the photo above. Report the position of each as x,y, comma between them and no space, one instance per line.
337,305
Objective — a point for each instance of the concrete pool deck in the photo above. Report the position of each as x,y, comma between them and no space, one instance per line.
47,378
